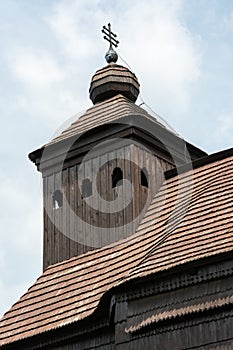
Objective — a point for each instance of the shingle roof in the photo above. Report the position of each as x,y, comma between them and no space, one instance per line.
189,219
112,80
101,113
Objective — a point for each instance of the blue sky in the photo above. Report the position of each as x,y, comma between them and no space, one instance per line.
181,51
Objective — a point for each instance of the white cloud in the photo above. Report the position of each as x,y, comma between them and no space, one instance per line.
10,293
170,59
35,68
55,84
2,259
20,237
50,83
55,81
47,88
224,129
22,209
73,25
219,135
169,62
228,21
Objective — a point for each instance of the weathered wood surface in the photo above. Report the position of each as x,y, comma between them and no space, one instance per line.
82,224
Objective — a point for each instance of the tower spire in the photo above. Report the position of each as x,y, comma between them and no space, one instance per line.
111,55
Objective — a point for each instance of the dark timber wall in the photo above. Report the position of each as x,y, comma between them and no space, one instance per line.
117,324
82,222
194,326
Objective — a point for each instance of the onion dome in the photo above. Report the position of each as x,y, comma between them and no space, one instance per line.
112,80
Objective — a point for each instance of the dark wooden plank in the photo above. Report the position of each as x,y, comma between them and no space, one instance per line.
57,219
113,218
66,224
45,223
72,199
80,227
136,159
87,210
119,214
95,202
51,242
104,183
129,175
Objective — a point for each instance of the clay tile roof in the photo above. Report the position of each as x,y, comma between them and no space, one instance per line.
189,219
101,113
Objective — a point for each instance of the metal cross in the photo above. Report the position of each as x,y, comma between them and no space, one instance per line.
110,36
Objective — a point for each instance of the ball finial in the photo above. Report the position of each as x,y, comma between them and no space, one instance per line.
111,55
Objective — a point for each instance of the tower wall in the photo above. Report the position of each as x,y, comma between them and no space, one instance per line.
89,205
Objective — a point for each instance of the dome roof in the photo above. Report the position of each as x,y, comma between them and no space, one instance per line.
112,80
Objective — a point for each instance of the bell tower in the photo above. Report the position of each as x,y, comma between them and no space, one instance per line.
101,173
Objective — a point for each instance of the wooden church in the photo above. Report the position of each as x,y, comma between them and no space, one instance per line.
138,234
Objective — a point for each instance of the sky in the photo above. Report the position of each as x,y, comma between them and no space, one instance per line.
181,52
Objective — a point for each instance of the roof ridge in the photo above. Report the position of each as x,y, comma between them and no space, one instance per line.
198,163
118,263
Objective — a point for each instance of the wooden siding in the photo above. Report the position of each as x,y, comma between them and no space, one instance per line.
101,340
208,328
68,293
205,334
66,236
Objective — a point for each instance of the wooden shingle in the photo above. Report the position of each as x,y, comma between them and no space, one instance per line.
190,218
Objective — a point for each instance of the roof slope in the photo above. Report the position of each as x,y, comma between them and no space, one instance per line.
102,113
189,219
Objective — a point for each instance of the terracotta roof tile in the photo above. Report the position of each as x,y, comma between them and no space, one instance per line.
189,219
